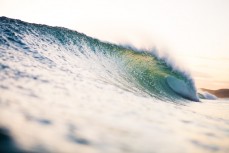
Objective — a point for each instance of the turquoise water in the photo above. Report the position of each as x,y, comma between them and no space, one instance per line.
62,91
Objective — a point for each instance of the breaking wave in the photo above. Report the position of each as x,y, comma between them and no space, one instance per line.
53,48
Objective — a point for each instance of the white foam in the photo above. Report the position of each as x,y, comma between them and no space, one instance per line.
207,95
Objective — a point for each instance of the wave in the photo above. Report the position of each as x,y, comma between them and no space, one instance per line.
140,72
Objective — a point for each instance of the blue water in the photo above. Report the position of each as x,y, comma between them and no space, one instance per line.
62,91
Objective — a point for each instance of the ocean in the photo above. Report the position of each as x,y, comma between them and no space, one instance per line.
62,91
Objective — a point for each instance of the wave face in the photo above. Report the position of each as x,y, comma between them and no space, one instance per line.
139,72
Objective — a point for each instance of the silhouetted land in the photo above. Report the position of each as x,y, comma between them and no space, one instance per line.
221,93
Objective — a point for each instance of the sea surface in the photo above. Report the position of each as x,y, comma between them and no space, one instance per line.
62,91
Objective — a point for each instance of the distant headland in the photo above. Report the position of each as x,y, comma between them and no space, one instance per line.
221,93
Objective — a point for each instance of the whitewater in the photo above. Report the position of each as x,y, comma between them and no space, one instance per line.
63,91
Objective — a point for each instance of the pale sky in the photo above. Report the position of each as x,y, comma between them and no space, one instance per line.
194,32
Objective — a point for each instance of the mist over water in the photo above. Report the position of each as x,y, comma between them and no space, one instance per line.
62,91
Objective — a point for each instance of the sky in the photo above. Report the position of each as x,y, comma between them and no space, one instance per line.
194,32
